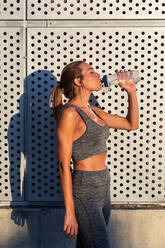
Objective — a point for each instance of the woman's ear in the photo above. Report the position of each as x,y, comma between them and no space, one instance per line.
77,82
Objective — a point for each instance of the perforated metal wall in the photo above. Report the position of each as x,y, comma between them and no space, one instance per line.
79,9
136,158
96,9
12,74
12,9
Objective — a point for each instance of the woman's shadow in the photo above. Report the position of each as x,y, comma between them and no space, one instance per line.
34,174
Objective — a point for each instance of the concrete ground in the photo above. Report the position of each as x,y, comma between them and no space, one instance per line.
42,228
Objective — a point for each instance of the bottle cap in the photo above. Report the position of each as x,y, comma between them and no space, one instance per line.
105,81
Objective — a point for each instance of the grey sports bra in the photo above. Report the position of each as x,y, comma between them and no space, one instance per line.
93,141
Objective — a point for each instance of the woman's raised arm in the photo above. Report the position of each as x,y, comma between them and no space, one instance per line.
131,121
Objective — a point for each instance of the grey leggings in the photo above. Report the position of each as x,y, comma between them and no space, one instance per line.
91,191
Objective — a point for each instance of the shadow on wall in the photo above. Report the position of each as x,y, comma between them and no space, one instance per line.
32,134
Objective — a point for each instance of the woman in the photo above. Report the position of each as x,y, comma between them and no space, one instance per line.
82,131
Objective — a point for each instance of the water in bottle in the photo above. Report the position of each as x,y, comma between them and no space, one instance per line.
109,80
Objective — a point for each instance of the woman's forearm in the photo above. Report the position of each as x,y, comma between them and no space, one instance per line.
66,183
133,112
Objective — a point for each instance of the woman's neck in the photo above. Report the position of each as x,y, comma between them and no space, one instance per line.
82,103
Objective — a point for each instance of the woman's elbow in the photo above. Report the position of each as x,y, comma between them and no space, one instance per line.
132,128
64,168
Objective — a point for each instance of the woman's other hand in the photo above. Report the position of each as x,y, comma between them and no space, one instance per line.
126,80
70,225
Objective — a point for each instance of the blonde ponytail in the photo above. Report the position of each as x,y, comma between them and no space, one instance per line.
55,101
69,73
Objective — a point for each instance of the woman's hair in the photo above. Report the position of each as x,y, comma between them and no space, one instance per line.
69,73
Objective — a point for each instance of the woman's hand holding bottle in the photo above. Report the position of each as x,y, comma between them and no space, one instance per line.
121,78
126,80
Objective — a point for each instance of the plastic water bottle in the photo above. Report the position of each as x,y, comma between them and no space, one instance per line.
109,80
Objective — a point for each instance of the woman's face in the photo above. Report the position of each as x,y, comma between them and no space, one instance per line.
91,79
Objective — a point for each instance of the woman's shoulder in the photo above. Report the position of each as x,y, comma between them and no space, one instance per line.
67,121
68,110
68,113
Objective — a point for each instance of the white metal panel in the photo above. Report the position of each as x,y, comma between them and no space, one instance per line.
12,74
96,9
12,9
135,159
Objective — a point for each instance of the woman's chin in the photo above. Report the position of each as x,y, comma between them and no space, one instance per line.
98,88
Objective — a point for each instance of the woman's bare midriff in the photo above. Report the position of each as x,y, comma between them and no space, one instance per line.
94,163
